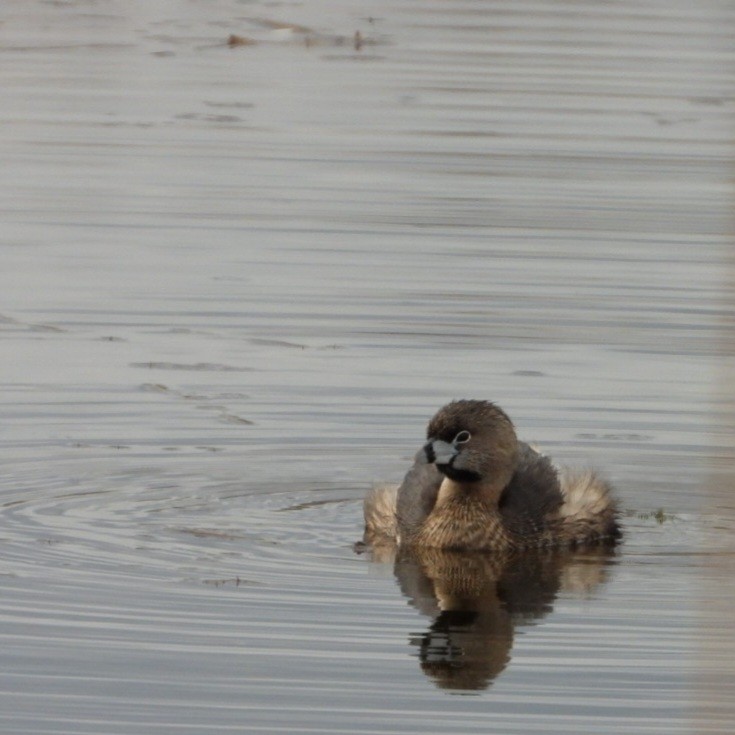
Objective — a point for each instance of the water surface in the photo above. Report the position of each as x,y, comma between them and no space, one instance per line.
239,278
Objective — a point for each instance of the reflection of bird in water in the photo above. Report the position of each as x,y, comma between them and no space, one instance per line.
476,601
475,486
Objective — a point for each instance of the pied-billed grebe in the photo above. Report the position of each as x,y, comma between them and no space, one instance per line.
475,486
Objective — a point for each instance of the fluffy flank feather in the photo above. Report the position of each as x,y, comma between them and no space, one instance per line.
588,509
380,512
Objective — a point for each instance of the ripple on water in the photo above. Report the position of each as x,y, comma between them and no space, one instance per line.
267,241
235,606
153,525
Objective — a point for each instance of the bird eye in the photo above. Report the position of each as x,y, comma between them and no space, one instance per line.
462,438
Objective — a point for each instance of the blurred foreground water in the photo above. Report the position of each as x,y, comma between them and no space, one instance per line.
237,279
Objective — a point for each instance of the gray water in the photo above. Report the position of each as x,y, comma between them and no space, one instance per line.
237,280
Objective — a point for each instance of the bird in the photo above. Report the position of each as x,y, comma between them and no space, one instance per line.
475,486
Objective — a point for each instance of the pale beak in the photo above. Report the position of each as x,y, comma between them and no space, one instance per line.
440,452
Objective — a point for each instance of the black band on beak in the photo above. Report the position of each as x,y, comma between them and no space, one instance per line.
429,452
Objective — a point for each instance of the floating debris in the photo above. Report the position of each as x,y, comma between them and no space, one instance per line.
235,40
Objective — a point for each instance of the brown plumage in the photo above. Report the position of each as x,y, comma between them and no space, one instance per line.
475,486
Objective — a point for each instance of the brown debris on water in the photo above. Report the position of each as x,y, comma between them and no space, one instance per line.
234,40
